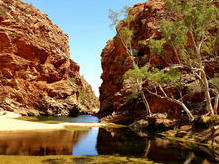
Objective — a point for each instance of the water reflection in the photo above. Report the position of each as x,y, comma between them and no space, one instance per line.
124,142
87,146
40,143
95,141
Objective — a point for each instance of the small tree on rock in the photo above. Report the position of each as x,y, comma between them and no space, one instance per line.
125,35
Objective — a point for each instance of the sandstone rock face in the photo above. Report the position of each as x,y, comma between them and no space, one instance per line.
114,91
36,73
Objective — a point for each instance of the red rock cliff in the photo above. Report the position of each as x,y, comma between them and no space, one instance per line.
36,73
115,62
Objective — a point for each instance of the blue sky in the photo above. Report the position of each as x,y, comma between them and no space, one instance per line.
87,24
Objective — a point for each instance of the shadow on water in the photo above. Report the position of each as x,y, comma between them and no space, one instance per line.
99,141
124,142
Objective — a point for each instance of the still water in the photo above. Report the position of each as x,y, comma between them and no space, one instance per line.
99,141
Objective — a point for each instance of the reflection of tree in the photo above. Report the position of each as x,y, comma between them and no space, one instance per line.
120,142
147,149
166,151
40,143
189,158
215,140
124,142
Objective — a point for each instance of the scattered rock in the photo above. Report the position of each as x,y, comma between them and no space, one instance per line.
155,122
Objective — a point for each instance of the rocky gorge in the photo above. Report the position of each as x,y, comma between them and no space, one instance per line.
115,92
42,92
37,76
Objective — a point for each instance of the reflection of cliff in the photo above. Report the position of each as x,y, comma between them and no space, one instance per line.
122,142
40,143
127,143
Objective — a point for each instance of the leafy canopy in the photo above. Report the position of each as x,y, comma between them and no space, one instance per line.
172,77
193,21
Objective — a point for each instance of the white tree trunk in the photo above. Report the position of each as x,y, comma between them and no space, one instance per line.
191,118
184,107
147,107
209,107
216,103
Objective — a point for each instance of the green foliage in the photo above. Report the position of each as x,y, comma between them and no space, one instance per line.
195,17
170,78
133,97
200,18
156,46
143,42
145,57
173,77
137,73
210,46
175,33
126,35
135,52
129,19
215,81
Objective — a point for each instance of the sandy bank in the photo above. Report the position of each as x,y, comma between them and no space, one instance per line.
9,123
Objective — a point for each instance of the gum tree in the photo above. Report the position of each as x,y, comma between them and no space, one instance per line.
125,35
157,79
190,36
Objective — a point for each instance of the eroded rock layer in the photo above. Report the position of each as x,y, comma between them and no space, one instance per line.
115,92
36,73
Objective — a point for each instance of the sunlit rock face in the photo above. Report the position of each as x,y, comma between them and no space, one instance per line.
37,75
114,91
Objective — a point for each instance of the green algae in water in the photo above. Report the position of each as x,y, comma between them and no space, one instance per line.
78,128
41,119
61,159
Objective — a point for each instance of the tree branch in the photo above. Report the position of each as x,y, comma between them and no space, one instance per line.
191,117
162,90
216,103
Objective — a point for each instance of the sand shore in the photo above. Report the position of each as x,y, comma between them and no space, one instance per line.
9,123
